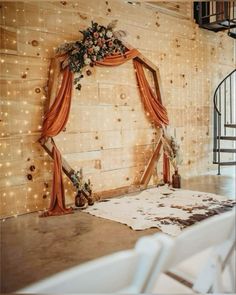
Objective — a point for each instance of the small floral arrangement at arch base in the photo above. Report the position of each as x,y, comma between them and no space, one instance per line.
84,189
172,150
97,43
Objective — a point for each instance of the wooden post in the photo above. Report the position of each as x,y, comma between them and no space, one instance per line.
151,164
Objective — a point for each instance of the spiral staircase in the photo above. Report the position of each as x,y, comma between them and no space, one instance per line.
224,140
216,16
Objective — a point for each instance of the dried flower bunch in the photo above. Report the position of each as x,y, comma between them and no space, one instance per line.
175,158
97,43
172,148
175,146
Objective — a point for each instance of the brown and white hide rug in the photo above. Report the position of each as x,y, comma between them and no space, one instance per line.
170,210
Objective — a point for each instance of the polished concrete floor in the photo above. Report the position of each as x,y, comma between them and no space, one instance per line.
33,248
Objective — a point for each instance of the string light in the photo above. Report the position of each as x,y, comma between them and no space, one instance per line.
21,142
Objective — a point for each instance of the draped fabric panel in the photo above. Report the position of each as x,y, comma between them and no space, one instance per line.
58,114
57,117
54,122
57,204
118,59
151,102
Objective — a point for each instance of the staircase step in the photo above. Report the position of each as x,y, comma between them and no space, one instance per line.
232,35
227,137
228,24
217,26
225,163
230,125
225,150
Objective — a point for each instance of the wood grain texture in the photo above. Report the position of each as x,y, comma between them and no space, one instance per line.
174,8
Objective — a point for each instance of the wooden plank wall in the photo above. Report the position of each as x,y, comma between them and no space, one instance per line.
108,133
174,8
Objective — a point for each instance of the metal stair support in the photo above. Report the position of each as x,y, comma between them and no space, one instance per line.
225,163
230,125
224,132
225,150
226,137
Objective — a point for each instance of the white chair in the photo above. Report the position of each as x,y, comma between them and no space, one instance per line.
217,234
122,272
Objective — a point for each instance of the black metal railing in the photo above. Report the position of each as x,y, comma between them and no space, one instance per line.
216,15
224,118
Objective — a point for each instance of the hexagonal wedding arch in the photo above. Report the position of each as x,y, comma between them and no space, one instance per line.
100,47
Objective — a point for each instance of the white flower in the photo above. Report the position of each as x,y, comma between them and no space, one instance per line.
87,61
96,48
109,34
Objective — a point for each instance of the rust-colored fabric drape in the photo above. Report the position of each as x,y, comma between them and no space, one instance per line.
57,204
152,104
54,122
58,114
118,59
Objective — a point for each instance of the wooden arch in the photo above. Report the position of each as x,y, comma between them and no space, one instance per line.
53,84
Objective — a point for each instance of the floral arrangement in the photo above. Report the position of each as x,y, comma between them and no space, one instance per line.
171,148
175,152
79,183
97,43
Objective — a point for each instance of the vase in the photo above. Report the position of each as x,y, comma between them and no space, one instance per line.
176,180
80,200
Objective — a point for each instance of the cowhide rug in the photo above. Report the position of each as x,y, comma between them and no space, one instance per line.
170,210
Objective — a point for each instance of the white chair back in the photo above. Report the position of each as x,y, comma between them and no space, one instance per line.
122,272
218,233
